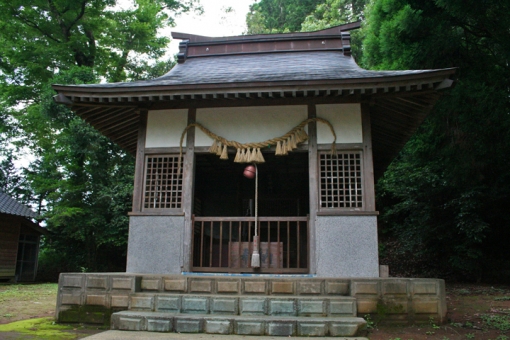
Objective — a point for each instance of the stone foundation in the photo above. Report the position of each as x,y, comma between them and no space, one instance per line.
93,297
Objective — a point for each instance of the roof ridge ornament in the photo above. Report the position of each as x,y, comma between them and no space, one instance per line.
346,42
183,51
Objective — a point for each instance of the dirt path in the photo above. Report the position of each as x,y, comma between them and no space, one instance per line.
474,312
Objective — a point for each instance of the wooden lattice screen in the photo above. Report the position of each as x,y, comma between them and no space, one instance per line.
341,182
163,182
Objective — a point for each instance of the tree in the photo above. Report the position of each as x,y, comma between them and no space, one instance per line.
444,197
276,16
79,181
332,13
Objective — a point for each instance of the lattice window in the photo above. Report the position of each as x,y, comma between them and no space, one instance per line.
341,182
163,182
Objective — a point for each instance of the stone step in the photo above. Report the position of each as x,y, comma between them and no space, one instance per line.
273,305
242,285
236,324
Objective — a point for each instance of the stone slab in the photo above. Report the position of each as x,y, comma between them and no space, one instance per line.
119,301
147,233
151,284
255,327
177,285
228,287
97,282
354,240
342,308
282,307
224,305
188,325
310,288
169,304
252,306
123,335
315,307
201,286
141,302
218,326
337,288
312,329
255,287
285,287
159,325
281,328
195,305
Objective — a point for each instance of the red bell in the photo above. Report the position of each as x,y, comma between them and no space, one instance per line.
249,172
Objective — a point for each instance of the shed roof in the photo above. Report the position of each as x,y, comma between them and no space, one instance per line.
9,205
267,70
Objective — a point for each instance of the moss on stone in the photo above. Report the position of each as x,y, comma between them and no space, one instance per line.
42,328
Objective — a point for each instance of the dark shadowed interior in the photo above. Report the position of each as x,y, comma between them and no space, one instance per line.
222,190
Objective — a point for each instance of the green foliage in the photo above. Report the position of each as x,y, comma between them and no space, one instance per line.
332,13
444,197
276,16
79,182
502,298
499,322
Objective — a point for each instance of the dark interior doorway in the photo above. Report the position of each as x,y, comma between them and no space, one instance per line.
222,190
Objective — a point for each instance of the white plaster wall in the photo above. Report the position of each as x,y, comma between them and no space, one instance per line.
248,124
346,120
164,128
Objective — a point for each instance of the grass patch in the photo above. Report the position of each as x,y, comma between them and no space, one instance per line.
27,292
42,328
499,322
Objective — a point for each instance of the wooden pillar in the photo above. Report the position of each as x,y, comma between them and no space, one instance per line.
188,190
139,165
313,185
368,162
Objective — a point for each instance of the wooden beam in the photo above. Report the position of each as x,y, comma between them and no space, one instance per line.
188,191
368,163
313,184
140,163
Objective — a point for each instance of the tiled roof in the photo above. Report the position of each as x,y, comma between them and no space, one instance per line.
10,206
263,67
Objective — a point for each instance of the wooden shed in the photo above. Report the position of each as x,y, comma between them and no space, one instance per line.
19,241
193,211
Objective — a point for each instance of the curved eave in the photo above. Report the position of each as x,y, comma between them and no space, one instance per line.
398,104
127,90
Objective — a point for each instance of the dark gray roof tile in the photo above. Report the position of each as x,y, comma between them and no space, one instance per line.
264,67
10,206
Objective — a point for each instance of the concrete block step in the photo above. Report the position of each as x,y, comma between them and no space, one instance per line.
272,305
237,324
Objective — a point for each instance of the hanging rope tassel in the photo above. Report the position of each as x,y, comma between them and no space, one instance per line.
247,156
293,141
260,157
253,156
284,149
278,151
242,156
289,145
224,154
218,149
284,144
238,155
214,147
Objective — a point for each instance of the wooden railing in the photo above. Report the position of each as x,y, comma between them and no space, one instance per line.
225,244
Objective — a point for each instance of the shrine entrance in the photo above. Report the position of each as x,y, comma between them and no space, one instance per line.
223,215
